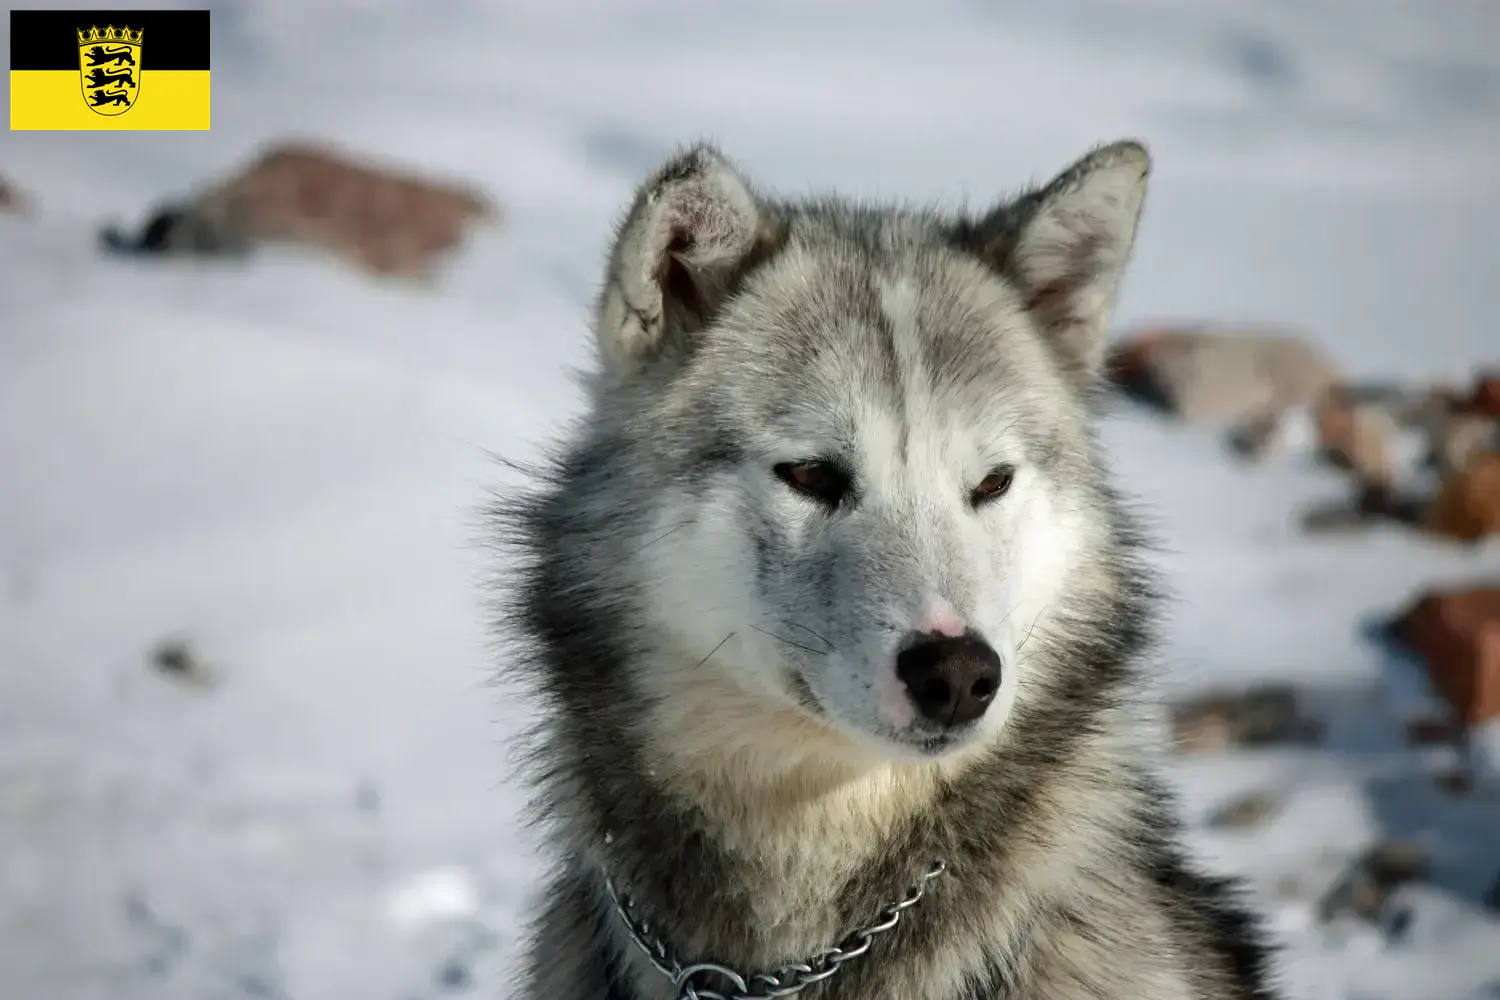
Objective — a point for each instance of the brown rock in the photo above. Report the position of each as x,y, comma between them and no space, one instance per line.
1368,883
1356,435
1220,375
1392,862
1333,417
1261,716
11,199
1461,437
1129,363
1257,438
1201,727
1431,410
1486,398
1337,517
1269,714
1251,809
388,222
384,221
1467,506
1370,504
1360,426
1457,634
1432,730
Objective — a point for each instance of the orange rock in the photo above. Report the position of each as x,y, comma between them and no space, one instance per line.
1486,398
1202,728
382,220
1333,416
1356,436
1457,634
386,221
1467,506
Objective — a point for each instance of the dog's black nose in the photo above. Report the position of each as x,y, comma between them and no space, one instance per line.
951,680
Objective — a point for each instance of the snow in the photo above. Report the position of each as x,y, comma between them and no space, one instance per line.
280,463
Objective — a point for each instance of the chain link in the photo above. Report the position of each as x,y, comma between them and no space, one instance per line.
785,981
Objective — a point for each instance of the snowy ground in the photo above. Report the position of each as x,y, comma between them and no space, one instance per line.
280,462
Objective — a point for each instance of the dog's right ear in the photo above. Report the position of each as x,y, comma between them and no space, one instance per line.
693,227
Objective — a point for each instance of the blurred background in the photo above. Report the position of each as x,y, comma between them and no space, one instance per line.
251,380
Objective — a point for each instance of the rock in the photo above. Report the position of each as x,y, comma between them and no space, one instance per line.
1433,730
1462,437
174,658
1255,439
1455,779
1289,888
382,221
1492,895
1367,884
1228,376
1467,506
1391,438
1457,635
1201,727
1486,397
1369,505
1432,408
1270,714
1251,809
1398,923
1358,435
12,202
1392,862
1451,426
1334,518
1264,714
1257,717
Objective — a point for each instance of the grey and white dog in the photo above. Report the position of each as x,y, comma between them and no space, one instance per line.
834,615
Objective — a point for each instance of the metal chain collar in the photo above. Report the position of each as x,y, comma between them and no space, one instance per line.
688,979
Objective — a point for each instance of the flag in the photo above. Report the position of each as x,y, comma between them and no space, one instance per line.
137,70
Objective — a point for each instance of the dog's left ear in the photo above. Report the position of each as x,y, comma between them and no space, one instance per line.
1065,246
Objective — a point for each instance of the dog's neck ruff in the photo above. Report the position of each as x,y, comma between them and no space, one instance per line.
697,980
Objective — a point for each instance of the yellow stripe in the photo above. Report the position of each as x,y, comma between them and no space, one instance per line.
52,100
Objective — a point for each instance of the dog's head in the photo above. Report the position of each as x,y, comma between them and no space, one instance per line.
853,447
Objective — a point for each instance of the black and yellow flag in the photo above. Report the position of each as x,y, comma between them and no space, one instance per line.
109,69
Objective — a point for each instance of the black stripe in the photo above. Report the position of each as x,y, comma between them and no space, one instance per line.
614,981
985,984
614,977
48,39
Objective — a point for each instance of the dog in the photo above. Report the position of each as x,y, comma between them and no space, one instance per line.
833,616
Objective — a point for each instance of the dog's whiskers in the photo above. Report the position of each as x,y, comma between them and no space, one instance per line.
711,652
1031,630
675,528
789,642
831,647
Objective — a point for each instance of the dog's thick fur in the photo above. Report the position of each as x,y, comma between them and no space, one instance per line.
723,732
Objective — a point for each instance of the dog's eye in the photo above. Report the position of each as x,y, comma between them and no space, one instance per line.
994,486
822,481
